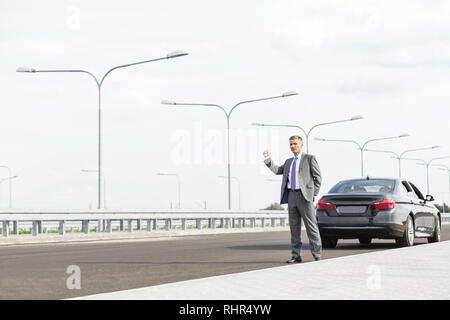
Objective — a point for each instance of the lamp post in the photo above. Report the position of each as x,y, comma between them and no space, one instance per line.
361,146
9,178
99,87
104,185
443,200
239,188
307,134
399,156
10,185
445,168
427,165
179,185
228,114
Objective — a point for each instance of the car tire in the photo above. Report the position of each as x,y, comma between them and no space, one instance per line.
365,241
329,242
407,240
437,232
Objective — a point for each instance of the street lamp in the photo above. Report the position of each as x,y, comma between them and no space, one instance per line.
228,114
104,185
239,188
179,185
170,55
361,146
445,168
307,134
399,156
427,164
10,185
9,178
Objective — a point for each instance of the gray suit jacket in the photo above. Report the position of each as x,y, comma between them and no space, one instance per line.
308,176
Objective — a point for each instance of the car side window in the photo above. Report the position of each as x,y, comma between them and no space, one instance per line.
417,192
403,188
411,192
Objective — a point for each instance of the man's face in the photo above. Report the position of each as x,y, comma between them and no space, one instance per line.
296,146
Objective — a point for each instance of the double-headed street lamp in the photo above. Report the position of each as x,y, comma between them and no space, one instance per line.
307,134
399,156
228,114
362,146
179,185
445,168
99,83
427,164
9,178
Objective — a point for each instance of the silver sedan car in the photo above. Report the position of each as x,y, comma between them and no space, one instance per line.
381,208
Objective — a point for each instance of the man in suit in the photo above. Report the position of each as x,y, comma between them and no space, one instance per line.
300,184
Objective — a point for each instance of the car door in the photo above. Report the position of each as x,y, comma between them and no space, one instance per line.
415,206
405,198
425,223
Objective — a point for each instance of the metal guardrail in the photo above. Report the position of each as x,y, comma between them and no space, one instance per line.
60,222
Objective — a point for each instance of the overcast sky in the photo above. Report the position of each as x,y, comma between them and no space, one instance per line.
388,61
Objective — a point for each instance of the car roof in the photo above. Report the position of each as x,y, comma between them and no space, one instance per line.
372,178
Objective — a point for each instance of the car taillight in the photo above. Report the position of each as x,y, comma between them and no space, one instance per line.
322,205
385,204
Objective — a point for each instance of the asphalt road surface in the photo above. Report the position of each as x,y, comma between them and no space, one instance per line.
39,271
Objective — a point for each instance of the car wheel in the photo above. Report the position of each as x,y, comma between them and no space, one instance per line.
437,232
407,239
365,241
329,242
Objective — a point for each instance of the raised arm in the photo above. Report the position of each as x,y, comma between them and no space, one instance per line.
269,163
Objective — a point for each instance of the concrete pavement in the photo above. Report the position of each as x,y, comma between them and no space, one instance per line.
419,272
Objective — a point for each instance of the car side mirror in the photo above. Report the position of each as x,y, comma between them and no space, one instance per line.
429,197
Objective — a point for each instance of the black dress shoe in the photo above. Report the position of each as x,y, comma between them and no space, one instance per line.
317,258
294,260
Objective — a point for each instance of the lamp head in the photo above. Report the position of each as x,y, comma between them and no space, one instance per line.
177,53
23,69
168,102
289,93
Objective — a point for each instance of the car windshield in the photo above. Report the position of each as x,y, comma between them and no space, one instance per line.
364,186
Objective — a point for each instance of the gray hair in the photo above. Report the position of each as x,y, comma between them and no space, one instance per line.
296,137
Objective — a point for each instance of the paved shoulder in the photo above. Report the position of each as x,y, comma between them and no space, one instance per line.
419,272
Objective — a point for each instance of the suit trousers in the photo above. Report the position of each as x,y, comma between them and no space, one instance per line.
300,209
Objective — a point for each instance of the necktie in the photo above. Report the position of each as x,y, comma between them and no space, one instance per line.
293,174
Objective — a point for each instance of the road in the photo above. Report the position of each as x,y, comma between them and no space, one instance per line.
39,271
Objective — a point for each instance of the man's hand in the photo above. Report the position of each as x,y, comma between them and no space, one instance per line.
266,153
